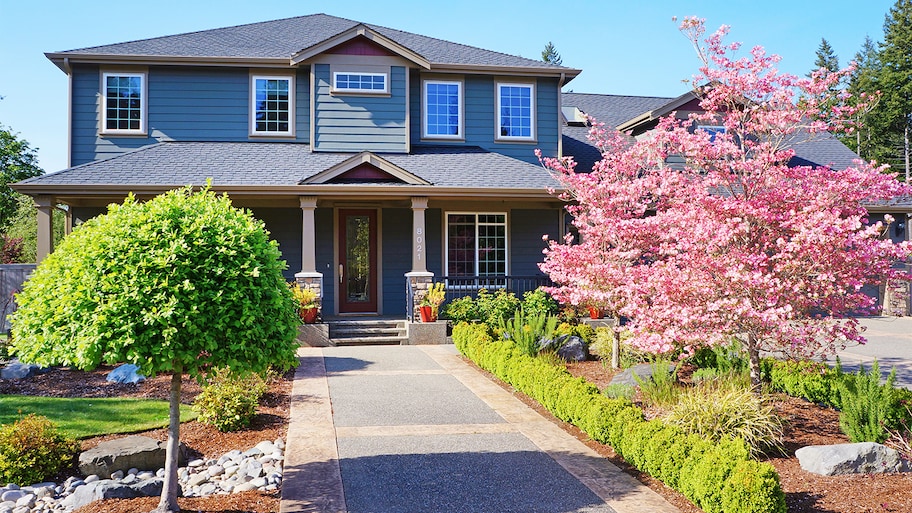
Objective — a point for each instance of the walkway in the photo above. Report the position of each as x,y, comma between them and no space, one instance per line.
398,429
890,342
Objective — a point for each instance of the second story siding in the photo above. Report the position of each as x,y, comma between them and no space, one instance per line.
183,104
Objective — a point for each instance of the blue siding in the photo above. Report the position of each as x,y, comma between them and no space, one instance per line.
396,246
323,217
526,229
479,121
184,104
359,123
433,222
284,225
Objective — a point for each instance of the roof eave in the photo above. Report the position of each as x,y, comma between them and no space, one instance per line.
568,73
664,110
60,60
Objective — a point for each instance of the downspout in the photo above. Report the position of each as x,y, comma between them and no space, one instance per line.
560,110
69,72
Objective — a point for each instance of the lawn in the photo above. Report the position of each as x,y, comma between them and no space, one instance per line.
87,417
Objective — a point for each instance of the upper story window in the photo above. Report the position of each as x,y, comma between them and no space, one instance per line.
124,103
712,130
272,105
515,112
442,110
360,82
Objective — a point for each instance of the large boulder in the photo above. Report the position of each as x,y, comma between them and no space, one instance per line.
126,373
572,349
135,451
108,489
18,370
643,371
860,458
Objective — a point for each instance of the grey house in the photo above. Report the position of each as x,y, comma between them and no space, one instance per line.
380,160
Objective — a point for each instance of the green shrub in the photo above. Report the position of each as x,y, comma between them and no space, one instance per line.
527,330
462,309
32,450
662,389
814,381
708,473
718,412
867,406
539,302
602,343
228,402
723,358
619,390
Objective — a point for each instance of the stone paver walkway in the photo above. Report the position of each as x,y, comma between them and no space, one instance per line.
395,429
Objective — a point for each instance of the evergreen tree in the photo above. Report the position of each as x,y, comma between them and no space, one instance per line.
895,108
550,55
826,57
865,80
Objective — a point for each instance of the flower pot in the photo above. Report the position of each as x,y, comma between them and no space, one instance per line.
309,315
595,312
427,313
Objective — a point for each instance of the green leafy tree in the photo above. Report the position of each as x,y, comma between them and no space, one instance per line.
183,284
18,161
24,226
550,55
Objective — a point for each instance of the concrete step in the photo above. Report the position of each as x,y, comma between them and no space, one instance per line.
368,341
367,332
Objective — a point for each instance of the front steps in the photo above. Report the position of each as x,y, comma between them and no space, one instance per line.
367,332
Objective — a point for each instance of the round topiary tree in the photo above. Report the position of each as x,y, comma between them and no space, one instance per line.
182,284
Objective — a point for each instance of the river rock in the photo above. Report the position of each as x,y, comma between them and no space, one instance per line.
126,373
860,458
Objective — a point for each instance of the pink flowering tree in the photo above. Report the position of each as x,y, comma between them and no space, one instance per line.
730,241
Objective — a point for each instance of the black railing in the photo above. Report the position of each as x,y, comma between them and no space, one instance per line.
461,286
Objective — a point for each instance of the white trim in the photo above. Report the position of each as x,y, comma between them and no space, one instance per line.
532,115
446,240
252,109
424,110
348,90
143,103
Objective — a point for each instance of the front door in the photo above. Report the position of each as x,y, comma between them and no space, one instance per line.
357,261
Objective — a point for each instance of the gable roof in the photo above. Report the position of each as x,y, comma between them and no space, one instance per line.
277,42
291,167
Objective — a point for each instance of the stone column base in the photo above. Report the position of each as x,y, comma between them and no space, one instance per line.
426,333
313,281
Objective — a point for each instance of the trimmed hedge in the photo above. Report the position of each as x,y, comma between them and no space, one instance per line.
717,477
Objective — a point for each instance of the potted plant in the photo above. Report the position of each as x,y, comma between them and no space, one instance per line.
306,300
595,312
430,305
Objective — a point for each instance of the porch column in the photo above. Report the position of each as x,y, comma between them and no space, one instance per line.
45,206
418,279
309,277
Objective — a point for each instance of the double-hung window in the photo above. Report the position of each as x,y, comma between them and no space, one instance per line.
442,110
124,103
476,244
345,82
272,105
515,112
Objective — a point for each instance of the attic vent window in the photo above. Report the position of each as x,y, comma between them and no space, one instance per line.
360,83
574,117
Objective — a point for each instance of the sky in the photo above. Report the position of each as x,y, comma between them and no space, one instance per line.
623,47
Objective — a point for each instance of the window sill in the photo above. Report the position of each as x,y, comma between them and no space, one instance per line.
264,135
136,134
379,94
513,140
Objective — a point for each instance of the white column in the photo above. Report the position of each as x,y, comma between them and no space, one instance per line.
309,277
419,235
45,206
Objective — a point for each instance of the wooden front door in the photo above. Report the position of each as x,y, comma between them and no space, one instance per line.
357,261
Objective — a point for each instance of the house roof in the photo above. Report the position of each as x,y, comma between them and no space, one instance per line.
288,166
281,40
622,111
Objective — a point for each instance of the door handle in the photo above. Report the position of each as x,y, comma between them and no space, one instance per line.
341,271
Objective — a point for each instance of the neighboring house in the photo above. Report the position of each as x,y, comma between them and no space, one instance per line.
380,160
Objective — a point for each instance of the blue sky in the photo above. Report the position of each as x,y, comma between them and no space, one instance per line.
622,48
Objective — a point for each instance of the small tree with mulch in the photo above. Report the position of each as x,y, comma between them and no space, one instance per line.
182,284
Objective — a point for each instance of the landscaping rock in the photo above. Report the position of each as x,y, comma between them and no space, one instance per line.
860,458
126,373
18,370
123,454
572,349
643,370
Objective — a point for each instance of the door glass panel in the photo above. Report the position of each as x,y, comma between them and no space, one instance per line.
357,259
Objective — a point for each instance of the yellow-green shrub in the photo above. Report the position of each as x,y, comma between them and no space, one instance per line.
228,402
31,450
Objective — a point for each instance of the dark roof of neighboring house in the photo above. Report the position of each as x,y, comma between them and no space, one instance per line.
821,150
282,39
170,164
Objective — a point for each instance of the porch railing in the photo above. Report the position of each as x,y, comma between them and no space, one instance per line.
462,286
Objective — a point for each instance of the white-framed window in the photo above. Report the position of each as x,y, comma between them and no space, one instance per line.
712,130
476,244
515,112
359,82
272,105
442,109
124,103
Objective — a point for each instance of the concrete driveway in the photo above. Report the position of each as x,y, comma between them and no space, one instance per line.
890,342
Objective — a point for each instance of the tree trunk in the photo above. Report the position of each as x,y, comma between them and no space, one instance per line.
753,355
168,503
616,344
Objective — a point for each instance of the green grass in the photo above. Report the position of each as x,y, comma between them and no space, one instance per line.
87,417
